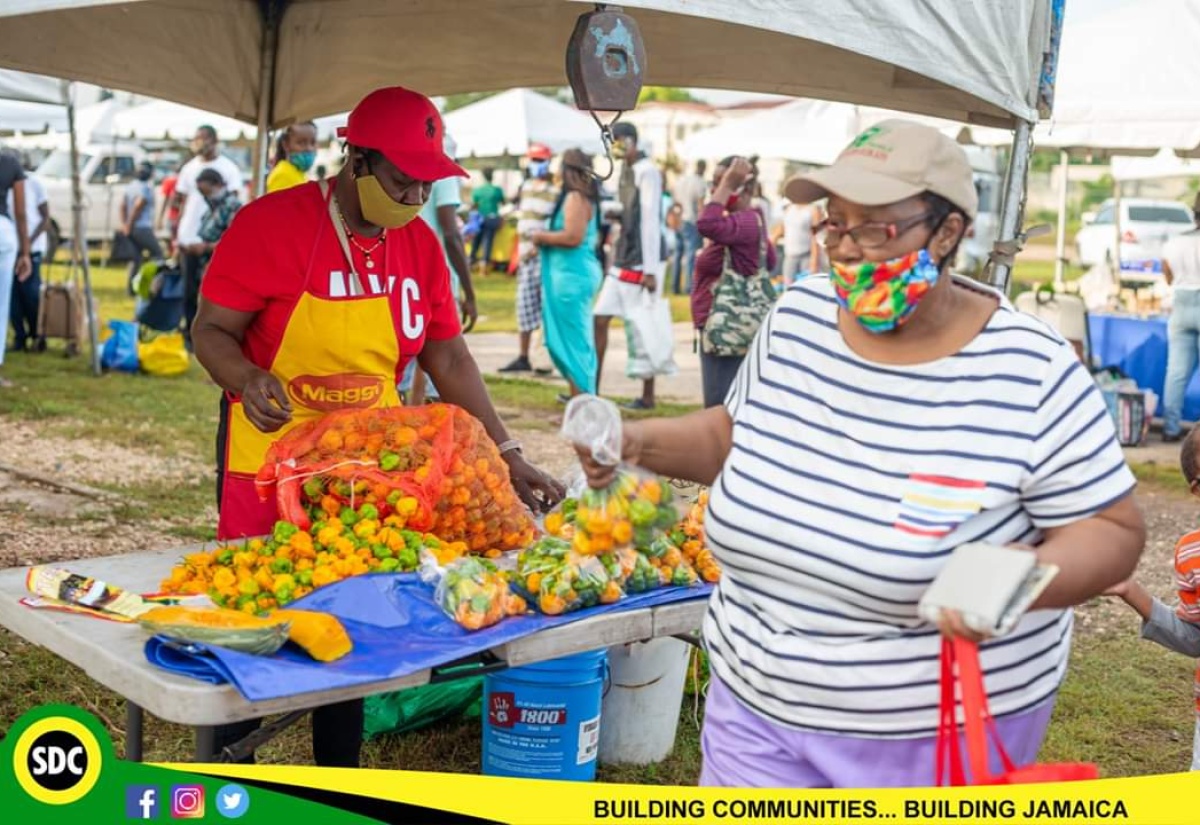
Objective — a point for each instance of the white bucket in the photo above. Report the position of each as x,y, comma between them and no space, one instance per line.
641,710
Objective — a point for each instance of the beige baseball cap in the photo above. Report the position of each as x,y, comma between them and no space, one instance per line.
891,161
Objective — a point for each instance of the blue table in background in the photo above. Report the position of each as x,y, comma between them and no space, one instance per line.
1139,347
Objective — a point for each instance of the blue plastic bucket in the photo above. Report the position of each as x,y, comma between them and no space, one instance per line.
543,720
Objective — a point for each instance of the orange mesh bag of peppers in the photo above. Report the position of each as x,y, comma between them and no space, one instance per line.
434,467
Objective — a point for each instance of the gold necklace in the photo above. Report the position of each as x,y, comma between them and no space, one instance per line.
354,241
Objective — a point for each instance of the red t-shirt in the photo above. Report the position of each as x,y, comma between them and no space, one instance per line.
272,248
168,191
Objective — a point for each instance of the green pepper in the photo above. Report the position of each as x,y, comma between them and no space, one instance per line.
569,506
314,488
242,601
369,512
281,566
677,537
407,559
344,489
480,604
680,577
249,588
347,517
318,526
225,557
381,551
304,577
284,531
217,597
642,513
388,461
394,497
389,565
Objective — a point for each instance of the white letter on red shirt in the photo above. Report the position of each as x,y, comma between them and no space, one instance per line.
411,326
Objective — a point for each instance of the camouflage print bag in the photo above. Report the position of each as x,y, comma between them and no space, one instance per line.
739,306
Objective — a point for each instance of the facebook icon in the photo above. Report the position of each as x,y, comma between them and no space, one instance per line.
141,802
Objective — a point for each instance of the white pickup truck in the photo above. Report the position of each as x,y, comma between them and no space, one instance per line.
105,170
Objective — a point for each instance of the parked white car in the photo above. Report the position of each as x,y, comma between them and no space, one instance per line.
1145,227
104,172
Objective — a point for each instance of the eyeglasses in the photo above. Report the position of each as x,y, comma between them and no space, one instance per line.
871,234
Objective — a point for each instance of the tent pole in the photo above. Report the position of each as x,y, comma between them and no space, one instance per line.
78,237
266,93
1060,256
1011,211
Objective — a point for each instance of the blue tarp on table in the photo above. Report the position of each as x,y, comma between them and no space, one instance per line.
1139,347
396,627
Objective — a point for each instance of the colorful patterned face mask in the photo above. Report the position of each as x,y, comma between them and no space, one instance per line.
881,295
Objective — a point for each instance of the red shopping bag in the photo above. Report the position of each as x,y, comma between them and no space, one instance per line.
978,724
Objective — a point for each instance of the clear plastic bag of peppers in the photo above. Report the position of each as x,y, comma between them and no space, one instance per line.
475,594
433,466
553,577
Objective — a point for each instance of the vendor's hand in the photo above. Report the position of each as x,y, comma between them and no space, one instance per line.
649,282
540,492
470,314
265,401
600,475
952,626
24,268
737,174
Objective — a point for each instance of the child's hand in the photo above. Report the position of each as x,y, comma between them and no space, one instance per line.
1120,589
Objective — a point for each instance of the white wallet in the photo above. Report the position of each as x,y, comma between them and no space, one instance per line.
989,585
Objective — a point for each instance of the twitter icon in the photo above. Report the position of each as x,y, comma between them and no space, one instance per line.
233,801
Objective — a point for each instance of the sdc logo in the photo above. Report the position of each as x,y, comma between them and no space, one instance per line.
334,392
57,760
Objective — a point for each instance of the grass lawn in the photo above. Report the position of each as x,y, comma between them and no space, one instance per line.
1126,704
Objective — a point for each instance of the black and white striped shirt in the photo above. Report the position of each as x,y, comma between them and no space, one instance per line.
848,486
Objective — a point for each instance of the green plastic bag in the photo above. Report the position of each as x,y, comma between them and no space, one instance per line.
403,711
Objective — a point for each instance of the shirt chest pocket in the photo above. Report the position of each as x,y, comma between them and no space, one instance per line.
932,507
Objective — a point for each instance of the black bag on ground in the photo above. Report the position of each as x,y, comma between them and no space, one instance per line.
123,250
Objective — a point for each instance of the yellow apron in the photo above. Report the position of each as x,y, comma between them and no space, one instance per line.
334,354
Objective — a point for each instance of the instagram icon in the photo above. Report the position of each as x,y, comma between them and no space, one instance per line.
187,802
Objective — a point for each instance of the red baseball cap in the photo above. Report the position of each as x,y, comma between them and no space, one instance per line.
539,151
405,127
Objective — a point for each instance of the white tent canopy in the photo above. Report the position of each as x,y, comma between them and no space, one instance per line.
93,124
1126,83
807,131
505,124
30,102
1163,165
18,116
1127,80
30,88
163,120
974,62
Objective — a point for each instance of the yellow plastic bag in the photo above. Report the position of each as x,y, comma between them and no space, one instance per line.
164,355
